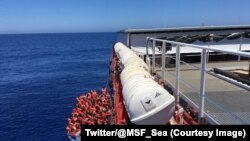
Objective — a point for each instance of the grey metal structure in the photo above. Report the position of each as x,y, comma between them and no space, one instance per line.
136,37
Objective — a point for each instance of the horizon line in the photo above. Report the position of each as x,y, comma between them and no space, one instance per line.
57,32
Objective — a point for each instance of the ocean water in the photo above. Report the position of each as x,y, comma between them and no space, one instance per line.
40,77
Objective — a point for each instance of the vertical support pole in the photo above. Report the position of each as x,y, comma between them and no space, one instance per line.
147,55
240,47
148,63
207,59
128,40
153,61
202,86
177,68
163,60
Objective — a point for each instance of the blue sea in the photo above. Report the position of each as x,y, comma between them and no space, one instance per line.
40,77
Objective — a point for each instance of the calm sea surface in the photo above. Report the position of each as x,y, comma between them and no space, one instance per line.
40,77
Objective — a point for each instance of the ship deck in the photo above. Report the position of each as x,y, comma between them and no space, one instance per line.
225,103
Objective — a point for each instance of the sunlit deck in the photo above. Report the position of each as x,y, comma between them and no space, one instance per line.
225,103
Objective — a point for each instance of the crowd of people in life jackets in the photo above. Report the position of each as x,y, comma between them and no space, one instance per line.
90,109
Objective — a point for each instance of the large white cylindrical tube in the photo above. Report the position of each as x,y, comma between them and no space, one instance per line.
145,100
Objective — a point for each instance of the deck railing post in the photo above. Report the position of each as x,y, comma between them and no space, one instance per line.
163,60
202,85
148,63
128,40
153,60
177,65
147,55
240,48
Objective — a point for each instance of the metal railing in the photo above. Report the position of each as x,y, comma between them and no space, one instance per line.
202,68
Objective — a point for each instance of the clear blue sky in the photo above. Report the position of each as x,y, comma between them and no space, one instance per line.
28,16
